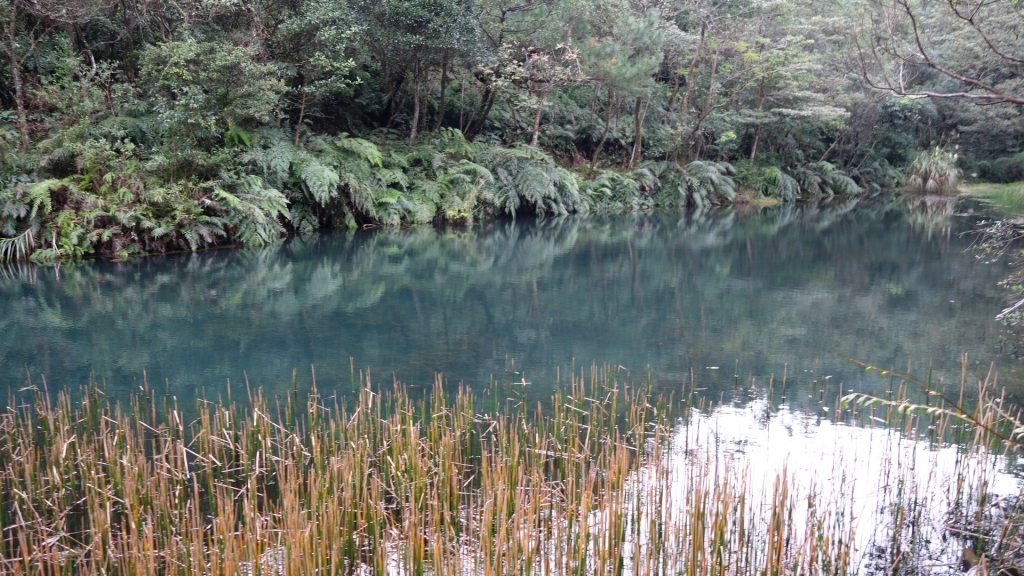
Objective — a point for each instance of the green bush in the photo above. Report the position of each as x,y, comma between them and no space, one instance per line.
775,183
933,172
698,184
824,179
1003,170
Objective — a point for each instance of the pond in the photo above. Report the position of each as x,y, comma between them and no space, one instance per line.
699,299
751,318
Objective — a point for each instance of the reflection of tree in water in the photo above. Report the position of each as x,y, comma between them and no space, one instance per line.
1000,239
670,290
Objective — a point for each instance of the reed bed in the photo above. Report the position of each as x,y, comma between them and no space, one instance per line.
598,481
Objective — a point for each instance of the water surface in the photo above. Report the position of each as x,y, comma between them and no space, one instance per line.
696,298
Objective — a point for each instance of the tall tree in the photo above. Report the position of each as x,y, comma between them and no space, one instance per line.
411,39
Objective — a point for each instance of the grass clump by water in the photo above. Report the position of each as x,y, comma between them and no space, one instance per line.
933,172
962,505
1007,198
601,480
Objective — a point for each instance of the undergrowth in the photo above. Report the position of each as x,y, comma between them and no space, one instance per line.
109,195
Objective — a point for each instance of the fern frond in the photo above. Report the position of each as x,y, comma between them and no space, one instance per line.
37,195
18,247
363,149
279,157
321,181
255,210
777,184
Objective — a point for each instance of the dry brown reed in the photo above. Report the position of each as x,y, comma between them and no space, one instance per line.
961,503
592,483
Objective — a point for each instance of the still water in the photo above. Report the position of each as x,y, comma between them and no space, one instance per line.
696,299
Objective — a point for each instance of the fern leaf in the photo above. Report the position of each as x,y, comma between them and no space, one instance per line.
321,181
18,247
362,149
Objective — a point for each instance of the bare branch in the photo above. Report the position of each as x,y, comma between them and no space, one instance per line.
916,53
970,19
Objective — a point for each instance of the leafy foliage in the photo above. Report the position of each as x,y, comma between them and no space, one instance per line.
933,172
777,184
699,183
824,179
158,126
528,180
205,88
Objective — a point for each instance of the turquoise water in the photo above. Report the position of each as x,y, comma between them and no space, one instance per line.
695,298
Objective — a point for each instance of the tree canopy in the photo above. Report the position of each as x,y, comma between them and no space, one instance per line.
165,125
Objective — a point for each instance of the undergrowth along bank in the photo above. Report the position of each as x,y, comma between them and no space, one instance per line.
116,201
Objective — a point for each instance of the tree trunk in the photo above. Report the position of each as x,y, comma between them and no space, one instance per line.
536,119
638,137
708,103
675,92
444,91
760,106
19,89
607,126
19,99
390,110
462,106
302,113
477,124
415,110
684,108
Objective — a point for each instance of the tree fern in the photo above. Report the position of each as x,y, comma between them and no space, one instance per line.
255,210
777,184
320,180
363,150
457,186
824,179
526,179
205,231
840,184
710,182
613,190
278,158
699,183
37,196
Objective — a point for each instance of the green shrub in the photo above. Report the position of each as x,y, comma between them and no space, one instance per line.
777,184
824,179
933,172
613,190
528,180
699,183
1007,169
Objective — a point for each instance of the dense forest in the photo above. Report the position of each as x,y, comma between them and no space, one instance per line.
141,126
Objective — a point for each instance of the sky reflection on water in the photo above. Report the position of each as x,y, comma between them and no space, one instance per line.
867,475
